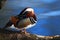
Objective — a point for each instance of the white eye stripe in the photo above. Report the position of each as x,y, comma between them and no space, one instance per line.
29,9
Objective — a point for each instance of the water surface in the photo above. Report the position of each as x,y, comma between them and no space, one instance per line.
47,12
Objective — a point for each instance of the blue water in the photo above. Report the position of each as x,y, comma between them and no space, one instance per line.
47,12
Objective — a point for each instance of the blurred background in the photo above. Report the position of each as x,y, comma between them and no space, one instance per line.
47,12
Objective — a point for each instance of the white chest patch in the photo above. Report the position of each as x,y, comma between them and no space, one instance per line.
29,26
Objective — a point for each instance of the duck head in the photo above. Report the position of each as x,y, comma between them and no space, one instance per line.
28,12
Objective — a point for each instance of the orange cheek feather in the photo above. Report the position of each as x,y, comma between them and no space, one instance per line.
31,15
